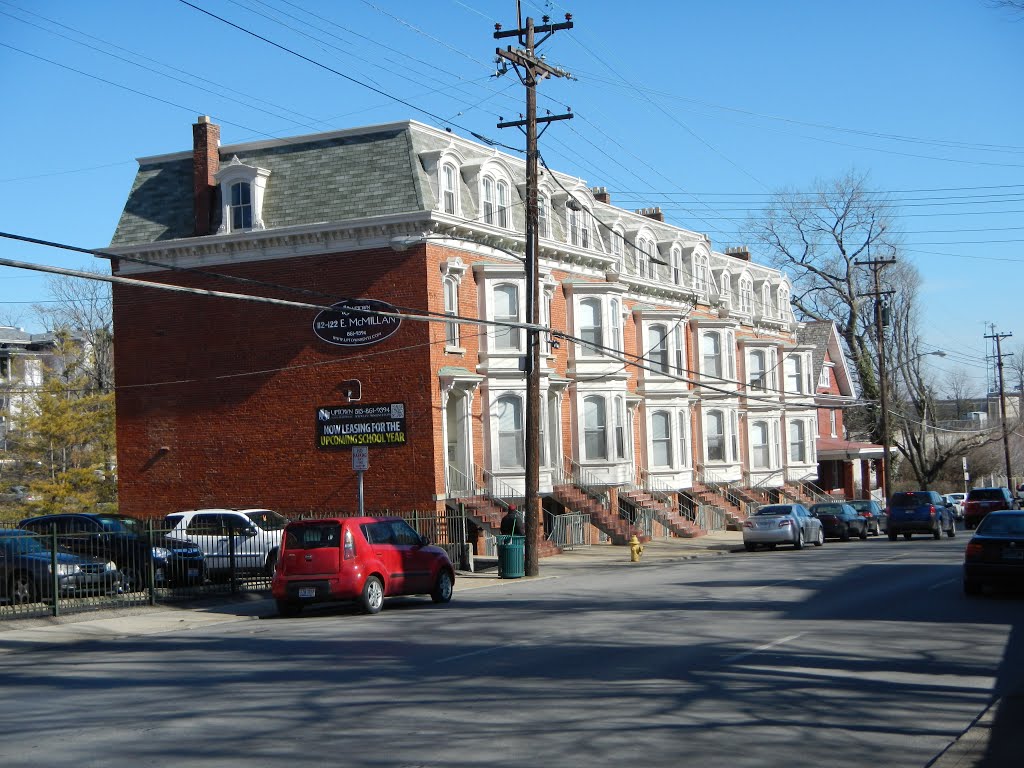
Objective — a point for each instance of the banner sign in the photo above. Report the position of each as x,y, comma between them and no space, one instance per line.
343,426
347,328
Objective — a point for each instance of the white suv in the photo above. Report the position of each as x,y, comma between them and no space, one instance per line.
251,536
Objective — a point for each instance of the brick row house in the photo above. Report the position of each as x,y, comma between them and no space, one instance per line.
686,382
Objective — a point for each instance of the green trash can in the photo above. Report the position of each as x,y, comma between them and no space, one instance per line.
511,556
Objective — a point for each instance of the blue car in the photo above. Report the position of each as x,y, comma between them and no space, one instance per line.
26,574
911,512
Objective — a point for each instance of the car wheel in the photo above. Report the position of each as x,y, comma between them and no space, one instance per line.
288,608
372,598
863,533
442,588
892,535
937,533
972,587
23,589
799,543
749,547
271,563
845,535
907,536
952,529
820,538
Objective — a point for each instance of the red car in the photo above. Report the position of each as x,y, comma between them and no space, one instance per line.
357,558
981,501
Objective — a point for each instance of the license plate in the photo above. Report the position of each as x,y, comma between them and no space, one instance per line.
193,573
1013,554
307,591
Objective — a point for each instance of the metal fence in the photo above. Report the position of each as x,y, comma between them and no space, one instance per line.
570,531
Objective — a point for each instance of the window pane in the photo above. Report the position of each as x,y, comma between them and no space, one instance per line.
657,342
711,348
661,439
510,432
590,327
595,438
714,428
759,444
796,441
506,309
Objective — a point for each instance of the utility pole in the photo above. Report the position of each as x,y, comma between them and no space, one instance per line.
881,321
531,70
998,337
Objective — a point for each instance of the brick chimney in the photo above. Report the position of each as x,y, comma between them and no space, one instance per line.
652,213
601,195
205,164
741,252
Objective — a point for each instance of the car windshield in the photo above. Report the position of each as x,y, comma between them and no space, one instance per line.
267,519
24,544
1002,525
127,525
986,494
828,509
775,509
862,505
910,499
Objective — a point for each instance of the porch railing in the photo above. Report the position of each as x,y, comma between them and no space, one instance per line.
569,531
722,486
458,485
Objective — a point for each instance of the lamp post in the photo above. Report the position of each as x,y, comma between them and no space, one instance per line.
532,425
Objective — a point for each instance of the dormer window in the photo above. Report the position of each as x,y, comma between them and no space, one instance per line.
503,204
241,191
701,273
543,216
449,188
579,228
746,294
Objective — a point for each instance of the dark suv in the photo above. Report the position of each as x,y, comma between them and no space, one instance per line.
124,540
911,512
981,501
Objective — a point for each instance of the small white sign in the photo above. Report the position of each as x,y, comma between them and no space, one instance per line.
360,458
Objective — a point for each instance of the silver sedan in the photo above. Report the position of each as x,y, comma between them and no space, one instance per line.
782,524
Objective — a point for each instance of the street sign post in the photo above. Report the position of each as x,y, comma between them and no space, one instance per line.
360,463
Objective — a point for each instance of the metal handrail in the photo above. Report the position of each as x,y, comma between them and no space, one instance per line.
570,530
658,489
498,491
723,486
458,484
573,474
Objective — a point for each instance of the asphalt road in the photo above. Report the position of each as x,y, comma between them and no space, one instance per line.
855,654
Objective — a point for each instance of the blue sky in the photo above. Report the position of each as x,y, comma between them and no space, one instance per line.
701,108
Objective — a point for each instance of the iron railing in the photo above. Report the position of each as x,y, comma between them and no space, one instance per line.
569,531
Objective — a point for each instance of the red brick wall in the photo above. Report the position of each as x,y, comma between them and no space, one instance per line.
216,397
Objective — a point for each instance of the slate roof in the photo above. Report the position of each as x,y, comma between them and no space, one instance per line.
326,178
816,333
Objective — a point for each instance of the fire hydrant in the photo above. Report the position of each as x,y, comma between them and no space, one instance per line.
635,549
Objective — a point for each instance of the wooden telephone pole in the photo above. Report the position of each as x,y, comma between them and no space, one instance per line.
998,337
531,70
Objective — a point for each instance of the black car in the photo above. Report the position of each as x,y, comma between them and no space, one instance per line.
872,512
840,521
125,540
995,555
26,575
911,512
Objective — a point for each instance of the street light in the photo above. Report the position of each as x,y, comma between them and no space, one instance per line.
532,426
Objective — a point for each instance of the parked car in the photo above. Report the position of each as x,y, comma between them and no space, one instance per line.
913,512
26,574
995,555
957,500
358,558
251,536
981,501
840,521
126,541
871,511
781,524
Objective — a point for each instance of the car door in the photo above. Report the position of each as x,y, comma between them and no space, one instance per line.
416,563
209,531
380,536
807,523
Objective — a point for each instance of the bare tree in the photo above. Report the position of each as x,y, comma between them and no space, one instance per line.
83,308
818,238
959,391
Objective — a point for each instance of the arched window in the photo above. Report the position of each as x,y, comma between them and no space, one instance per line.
590,327
451,307
241,206
794,374
661,439
711,354
756,370
785,311
797,447
767,305
684,439
759,451
620,427
657,348
680,348
746,294
579,224
725,288
595,436
543,216
617,241
449,188
615,342
506,309
701,276
643,256
488,199
714,435
503,200
511,445
677,266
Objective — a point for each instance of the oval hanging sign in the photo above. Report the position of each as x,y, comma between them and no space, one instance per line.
356,323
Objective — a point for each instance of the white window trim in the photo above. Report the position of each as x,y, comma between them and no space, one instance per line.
238,172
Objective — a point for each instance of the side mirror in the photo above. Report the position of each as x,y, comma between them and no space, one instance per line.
424,540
